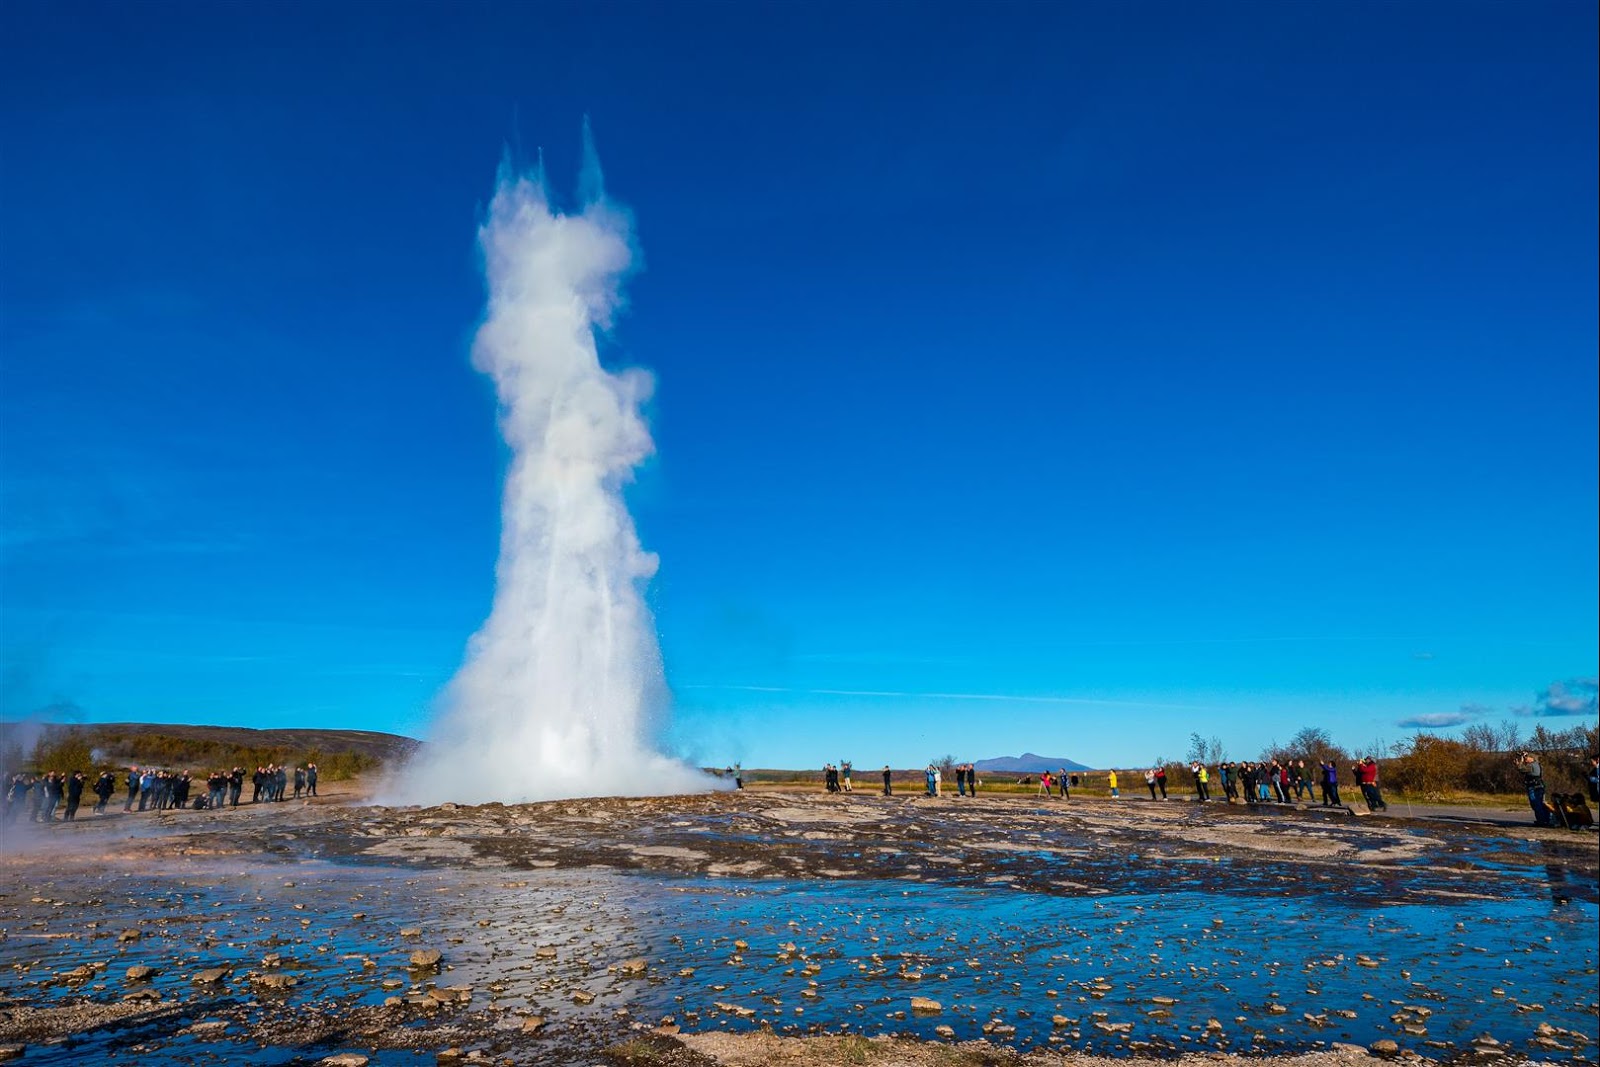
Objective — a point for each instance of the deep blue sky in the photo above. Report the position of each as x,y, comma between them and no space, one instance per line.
1218,367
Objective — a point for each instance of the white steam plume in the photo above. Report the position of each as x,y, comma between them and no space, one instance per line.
562,689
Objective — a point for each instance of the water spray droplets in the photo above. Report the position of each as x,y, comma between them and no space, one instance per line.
562,691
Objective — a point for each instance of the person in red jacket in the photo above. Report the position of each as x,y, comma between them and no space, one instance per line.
1367,775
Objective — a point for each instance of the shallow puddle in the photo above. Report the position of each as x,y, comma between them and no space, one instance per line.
1103,974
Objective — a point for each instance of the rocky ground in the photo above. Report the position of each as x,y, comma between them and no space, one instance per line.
614,931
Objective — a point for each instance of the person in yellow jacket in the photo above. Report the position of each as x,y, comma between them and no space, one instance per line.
1202,778
1113,780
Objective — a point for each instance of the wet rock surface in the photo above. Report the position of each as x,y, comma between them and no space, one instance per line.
557,933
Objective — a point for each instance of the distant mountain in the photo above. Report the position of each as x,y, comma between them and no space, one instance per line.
1027,763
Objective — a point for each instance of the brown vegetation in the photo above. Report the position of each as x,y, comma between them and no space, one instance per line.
338,754
1427,766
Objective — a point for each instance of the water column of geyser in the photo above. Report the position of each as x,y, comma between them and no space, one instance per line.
562,690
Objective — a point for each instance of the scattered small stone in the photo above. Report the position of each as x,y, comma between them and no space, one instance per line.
582,996
128,935
426,958
209,976
633,967
345,1059
275,981
1384,1047
533,1024
141,973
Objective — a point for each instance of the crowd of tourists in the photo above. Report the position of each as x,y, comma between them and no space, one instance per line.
1290,782
1264,782
41,796
1286,782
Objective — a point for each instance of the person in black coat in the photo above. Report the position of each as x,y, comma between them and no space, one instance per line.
53,789
75,786
104,786
17,795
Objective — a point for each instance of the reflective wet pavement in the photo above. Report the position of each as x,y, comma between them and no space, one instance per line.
1046,935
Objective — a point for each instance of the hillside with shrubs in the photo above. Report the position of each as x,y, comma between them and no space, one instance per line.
338,754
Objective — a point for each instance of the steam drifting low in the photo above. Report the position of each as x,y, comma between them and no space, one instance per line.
562,690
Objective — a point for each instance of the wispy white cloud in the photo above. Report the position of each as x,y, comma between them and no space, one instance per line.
1436,720
1573,697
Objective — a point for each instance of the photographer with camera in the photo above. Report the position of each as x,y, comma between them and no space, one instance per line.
1533,779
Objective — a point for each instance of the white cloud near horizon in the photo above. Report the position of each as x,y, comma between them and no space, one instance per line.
1436,720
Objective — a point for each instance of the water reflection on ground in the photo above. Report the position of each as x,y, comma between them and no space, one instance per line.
1180,969
1049,934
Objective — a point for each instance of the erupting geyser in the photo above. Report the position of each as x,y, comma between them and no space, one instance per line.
562,689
